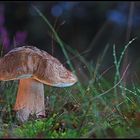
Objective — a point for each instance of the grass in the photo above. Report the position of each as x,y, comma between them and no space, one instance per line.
99,109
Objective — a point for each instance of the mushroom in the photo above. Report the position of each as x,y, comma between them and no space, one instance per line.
33,68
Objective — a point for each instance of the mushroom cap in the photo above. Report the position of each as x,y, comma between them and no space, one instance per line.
28,61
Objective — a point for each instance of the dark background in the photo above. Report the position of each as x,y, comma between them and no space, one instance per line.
85,26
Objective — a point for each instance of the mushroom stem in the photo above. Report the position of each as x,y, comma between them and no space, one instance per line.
30,99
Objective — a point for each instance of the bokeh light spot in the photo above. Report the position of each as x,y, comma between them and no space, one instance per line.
56,10
117,17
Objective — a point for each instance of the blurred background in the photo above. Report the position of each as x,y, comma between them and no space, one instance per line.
87,27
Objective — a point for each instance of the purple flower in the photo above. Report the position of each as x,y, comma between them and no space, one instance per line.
6,43
20,37
4,38
3,32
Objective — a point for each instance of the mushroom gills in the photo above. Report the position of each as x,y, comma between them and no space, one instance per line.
24,76
63,84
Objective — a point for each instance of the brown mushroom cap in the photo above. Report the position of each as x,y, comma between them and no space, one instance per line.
28,61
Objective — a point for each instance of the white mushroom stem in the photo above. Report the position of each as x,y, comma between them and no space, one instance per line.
30,99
